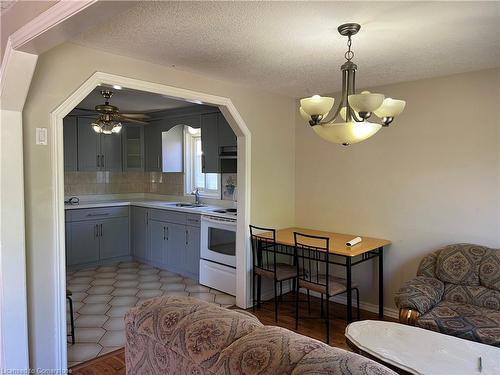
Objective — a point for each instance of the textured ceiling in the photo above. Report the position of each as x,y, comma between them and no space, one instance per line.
293,48
132,101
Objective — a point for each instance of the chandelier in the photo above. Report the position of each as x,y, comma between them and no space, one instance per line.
354,109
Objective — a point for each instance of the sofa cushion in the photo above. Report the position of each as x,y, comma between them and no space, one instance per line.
274,350
489,270
421,294
473,295
463,320
459,264
427,266
194,329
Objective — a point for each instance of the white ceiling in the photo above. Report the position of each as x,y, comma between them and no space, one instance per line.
293,48
130,101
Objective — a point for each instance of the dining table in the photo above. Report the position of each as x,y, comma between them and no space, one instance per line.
347,256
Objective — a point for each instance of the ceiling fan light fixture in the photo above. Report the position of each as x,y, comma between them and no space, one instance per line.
354,109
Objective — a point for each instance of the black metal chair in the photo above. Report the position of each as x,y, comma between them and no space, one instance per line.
314,260
70,300
266,264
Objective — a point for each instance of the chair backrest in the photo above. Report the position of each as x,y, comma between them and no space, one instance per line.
263,248
312,259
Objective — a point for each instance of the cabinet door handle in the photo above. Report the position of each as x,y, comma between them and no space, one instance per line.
96,231
167,233
203,163
101,231
158,161
102,161
97,161
187,236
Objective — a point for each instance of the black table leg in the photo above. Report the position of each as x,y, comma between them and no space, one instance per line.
349,290
381,283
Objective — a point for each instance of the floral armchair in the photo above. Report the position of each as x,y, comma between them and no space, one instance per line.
456,292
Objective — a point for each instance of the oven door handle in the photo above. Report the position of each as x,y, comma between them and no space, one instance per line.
215,221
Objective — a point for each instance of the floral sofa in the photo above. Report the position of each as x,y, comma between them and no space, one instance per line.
456,292
181,335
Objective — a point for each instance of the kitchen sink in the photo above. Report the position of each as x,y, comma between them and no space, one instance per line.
186,205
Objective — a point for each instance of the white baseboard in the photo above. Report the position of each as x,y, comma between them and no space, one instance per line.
268,293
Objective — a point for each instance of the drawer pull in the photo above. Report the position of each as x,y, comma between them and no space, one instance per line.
93,215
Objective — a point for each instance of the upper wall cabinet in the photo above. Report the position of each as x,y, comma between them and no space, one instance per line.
133,147
172,142
226,136
70,144
97,152
152,137
210,143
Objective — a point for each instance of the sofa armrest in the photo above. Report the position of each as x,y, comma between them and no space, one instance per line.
421,294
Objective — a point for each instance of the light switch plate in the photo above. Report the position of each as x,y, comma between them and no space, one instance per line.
41,136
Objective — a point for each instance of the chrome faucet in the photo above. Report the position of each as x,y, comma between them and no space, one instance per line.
196,194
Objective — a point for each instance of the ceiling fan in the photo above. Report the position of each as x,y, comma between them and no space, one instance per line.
110,118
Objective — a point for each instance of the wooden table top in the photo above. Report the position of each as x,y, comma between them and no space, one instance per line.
337,241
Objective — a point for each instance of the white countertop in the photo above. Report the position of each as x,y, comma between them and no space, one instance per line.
162,205
420,351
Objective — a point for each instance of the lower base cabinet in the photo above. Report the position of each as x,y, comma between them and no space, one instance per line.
84,243
95,235
171,245
168,240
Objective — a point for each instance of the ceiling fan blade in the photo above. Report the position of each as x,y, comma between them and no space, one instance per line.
138,116
127,119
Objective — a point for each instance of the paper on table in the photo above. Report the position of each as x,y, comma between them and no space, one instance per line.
353,242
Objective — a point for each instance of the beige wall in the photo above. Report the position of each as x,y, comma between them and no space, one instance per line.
430,179
270,119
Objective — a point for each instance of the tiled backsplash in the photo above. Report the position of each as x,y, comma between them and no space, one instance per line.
86,183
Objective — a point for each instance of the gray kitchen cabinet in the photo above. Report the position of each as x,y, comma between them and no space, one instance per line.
192,121
209,143
113,238
172,141
226,136
70,143
133,147
140,234
97,234
89,158
157,242
192,252
111,151
176,245
152,136
67,242
97,152
84,243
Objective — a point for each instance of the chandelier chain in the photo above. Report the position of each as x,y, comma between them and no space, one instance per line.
349,54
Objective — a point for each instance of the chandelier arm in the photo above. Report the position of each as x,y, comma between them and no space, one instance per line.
353,91
339,107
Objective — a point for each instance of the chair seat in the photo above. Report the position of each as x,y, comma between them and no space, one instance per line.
336,285
283,272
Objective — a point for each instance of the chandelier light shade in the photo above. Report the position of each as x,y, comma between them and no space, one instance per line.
354,109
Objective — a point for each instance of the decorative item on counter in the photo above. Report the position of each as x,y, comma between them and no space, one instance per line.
229,184
353,242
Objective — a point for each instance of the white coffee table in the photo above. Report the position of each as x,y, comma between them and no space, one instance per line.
420,351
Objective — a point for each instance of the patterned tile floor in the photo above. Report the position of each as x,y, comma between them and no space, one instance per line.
102,295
